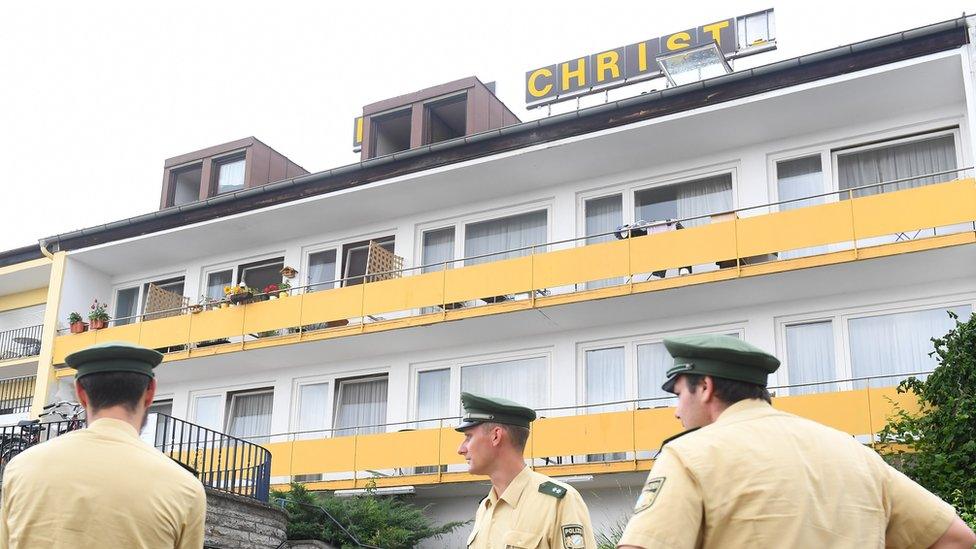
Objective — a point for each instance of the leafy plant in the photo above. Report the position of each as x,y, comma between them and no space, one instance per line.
936,447
612,532
99,311
381,521
74,317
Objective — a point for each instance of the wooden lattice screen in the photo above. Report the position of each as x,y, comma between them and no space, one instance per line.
162,303
382,264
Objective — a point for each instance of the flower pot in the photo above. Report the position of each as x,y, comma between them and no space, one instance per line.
194,309
78,327
272,297
241,298
283,294
224,305
98,324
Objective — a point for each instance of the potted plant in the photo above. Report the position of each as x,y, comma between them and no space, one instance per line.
76,323
271,290
238,294
98,316
283,289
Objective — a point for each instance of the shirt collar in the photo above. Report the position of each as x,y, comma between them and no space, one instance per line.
744,409
515,489
114,426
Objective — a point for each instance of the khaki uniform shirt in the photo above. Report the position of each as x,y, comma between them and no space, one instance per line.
100,487
758,477
528,518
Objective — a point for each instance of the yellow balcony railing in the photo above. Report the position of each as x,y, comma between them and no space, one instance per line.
407,301
590,443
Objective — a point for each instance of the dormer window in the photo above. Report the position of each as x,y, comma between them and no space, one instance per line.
186,184
445,118
230,174
390,133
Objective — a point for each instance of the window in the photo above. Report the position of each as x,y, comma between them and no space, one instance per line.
259,274
389,133
321,270
355,257
360,406
445,119
313,410
900,160
249,414
795,179
525,380
438,248
897,343
603,215
506,233
206,411
185,184
685,200
174,285
161,407
230,174
216,282
433,397
606,378
126,306
653,362
810,357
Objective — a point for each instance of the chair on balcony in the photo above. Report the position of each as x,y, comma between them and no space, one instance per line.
162,303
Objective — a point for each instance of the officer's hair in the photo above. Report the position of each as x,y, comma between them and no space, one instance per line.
730,391
109,389
518,435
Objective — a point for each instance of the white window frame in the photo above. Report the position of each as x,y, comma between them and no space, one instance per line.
455,365
222,392
332,380
227,158
336,245
234,266
460,223
630,344
840,318
342,381
232,395
629,190
140,284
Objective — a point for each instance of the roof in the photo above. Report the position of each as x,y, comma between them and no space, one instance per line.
782,74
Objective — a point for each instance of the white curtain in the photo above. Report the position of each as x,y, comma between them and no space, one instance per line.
433,396
321,270
797,179
897,343
810,357
250,415
603,215
231,177
313,410
498,235
438,247
216,282
702,197
362,406
924,156
524,381
605,379
653,362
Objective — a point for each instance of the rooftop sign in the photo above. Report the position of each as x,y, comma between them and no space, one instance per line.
735,37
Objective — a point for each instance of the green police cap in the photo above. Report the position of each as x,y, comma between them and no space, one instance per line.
718,356
482,409
114,356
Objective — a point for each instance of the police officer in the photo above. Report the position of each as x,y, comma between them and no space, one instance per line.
744,474
523,509
103,486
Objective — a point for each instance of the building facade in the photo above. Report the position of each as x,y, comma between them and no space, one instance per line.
821,208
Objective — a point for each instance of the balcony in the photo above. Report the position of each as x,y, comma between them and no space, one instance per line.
584,444
844,230
20,343
16,395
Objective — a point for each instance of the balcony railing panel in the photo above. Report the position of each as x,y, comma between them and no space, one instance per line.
21,342
586,434
401,449
833,226
17,394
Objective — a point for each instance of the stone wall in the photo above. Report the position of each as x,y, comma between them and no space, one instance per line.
235,522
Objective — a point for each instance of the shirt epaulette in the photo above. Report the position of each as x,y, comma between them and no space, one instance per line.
679,435
552,489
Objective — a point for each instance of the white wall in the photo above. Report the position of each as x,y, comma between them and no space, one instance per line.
82,284
21,318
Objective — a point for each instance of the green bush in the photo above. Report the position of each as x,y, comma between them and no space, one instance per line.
936,447
389,522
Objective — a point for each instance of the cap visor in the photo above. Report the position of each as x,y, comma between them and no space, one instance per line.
668,386
465,425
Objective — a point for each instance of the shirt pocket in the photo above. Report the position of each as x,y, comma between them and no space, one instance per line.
523,540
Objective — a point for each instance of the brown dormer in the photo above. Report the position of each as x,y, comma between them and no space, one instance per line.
233,166
455,109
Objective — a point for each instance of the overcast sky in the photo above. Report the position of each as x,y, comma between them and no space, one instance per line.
95,95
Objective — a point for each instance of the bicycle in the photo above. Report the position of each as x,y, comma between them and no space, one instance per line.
13,443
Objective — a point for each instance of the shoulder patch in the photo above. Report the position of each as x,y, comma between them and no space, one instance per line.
552,489
573,536
649,494
679,435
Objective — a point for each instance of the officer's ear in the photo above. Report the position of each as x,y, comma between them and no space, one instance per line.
81,395
147,399
707,389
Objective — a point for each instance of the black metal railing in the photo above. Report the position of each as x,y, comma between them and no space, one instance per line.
21,342
16,394
222,462
14,439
